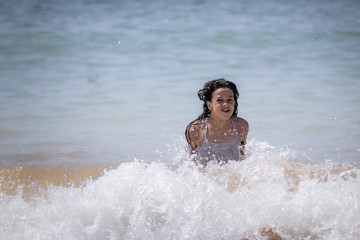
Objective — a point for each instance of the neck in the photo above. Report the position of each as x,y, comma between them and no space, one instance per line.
219,122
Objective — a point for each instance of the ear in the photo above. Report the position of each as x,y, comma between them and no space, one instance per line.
209,105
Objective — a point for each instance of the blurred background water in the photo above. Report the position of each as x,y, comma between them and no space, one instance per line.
87,86
91,80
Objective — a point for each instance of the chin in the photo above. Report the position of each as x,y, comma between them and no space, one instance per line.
226,117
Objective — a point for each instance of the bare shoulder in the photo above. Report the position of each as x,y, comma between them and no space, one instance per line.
242,127
196,133
195,128
241,123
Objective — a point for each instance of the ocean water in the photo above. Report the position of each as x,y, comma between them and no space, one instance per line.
95,97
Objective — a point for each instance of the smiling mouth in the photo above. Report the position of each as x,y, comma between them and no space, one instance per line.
226,110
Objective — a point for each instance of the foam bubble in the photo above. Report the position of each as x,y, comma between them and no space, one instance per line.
270,195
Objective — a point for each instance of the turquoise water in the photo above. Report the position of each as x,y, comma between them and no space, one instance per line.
115,83
120,77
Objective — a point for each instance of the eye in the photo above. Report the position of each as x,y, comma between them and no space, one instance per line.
219,100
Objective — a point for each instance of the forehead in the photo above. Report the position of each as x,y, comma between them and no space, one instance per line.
223,92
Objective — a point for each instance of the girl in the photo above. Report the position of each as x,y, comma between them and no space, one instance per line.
218,134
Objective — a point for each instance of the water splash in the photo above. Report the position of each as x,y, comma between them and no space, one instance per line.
270,195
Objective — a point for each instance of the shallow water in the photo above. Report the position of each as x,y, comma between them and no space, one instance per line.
118,80
270,195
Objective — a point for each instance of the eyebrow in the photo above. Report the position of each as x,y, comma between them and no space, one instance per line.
219,96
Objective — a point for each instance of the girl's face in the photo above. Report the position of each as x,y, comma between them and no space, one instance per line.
222,104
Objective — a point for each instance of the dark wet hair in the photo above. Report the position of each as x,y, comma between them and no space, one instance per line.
205,95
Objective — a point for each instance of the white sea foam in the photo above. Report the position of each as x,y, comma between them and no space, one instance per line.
269,195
